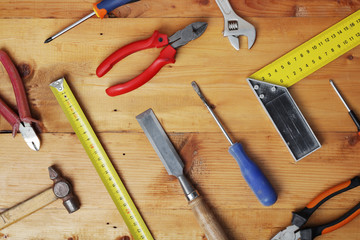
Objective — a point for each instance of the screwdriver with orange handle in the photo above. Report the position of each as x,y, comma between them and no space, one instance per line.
351,113
100,8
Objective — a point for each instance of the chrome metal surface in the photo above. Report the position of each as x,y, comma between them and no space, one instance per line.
29,135
235,26
69,27
338,93
286,117
189,33
287,234
198,91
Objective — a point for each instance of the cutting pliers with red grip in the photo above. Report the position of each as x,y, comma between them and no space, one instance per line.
157,40
296,232
23,121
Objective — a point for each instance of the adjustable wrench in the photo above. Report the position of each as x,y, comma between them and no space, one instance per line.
235,26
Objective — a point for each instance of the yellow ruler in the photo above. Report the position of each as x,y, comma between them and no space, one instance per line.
313,54
100,160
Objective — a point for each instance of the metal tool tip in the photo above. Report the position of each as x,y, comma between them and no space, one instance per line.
198,91
333,84
48,40
144,114
36,148
53,173
196,87
193,83
200,27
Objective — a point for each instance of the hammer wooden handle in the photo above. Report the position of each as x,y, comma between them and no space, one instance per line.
27,207
207,220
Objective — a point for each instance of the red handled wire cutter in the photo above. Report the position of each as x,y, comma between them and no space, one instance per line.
296,232
22,122
167,55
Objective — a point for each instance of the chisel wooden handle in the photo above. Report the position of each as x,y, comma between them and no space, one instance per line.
207,220
27,207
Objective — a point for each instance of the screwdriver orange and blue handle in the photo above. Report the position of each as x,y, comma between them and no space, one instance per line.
253,175
100,8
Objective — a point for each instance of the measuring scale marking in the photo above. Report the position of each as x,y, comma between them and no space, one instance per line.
313,54
100,160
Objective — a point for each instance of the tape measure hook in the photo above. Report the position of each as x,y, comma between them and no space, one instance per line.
58,84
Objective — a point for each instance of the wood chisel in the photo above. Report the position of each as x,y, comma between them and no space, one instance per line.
175,167
253,175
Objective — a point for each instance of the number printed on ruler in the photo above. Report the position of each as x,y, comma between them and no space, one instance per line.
100,160
313,54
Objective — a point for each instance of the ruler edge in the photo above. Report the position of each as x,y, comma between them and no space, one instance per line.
299,46
142,223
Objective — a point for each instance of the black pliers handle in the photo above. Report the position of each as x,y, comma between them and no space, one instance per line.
300,218
296,232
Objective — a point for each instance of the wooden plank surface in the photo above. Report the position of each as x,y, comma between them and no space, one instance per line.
221,72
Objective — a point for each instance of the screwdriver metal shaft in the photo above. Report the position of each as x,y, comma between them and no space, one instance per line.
100,8
351,113
338,93
69,27
198,91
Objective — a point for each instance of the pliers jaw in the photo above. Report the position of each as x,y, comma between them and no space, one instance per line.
296,230
289,233
22,121
29,136
189,33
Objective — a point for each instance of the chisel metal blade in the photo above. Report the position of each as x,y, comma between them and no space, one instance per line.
161,143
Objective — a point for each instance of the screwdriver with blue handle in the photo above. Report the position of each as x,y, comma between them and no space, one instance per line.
254,177
100,8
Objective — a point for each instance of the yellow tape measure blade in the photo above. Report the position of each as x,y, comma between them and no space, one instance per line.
313,54
100,160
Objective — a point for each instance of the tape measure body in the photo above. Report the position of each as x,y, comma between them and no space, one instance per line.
100,160
313,54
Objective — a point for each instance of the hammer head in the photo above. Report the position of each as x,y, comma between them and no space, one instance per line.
63,190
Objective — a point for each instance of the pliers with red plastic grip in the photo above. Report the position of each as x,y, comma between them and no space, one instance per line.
21,122
157,40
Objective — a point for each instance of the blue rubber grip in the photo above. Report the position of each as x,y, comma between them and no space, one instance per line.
110,5
254,176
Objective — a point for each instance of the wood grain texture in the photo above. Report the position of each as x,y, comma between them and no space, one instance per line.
207,220
26,207
71,9
220,71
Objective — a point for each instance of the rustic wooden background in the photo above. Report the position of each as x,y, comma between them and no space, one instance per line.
221,72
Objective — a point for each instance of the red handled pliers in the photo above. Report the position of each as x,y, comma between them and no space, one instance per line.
167,55
22,122
299,219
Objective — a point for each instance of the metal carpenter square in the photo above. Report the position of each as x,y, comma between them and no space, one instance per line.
287,118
